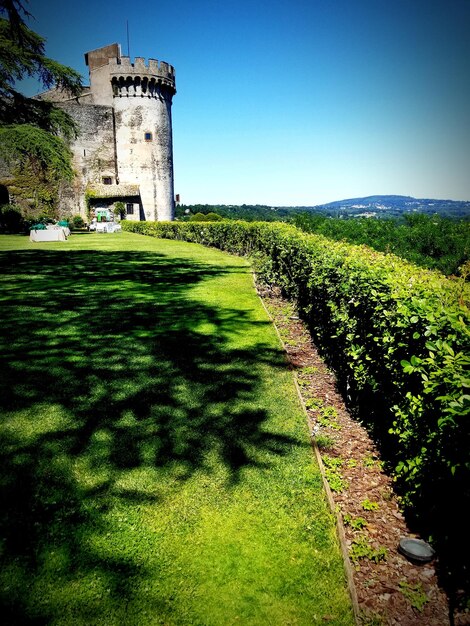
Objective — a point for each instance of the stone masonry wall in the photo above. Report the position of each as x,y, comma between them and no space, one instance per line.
93,153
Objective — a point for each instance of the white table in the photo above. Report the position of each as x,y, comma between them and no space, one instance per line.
51,234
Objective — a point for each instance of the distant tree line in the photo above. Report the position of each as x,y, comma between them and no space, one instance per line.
245,212
429,241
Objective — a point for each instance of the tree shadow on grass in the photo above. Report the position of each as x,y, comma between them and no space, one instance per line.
106,371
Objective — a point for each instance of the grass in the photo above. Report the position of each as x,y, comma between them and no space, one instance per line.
156,465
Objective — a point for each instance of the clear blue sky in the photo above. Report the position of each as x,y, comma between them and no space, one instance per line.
296,102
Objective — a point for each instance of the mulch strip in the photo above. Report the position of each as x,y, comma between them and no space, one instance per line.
387,588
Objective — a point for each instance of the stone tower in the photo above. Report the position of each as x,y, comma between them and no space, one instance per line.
124,151
141,96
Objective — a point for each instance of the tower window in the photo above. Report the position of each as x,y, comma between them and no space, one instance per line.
148,136
130,208
107,180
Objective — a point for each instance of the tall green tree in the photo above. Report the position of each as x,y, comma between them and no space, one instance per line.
33,132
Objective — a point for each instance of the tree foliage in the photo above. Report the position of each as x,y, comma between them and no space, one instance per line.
33,132
44,153
430,241
22,55
205,217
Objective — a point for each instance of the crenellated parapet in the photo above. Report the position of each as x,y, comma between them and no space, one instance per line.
141,79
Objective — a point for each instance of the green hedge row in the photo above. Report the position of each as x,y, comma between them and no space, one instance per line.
398,339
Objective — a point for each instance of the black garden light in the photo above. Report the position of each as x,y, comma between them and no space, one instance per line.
416,550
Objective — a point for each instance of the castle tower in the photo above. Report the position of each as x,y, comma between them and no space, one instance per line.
140,96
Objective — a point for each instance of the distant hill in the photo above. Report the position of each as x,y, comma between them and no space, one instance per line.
370,206
393,206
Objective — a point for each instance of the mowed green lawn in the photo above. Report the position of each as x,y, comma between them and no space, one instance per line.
156,466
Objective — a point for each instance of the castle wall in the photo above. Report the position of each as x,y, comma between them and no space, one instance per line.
93,152
100,83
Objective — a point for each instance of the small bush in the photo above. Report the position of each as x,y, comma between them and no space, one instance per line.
120,209
213,217
324,442
11,220
78,222
361,549
198,217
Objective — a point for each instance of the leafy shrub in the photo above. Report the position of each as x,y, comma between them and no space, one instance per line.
361,549
213,217
333,475
11,220
356,523
77,221
198,217
415,594
120,209
324,442
369,505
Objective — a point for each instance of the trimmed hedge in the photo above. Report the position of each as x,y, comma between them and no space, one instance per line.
398,339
